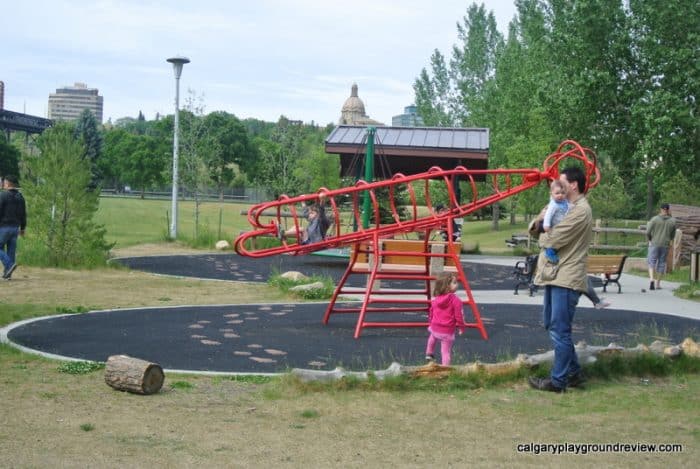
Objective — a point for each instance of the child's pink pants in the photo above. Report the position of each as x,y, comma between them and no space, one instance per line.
446,341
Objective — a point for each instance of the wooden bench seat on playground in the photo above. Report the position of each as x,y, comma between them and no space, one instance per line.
402,257
608,265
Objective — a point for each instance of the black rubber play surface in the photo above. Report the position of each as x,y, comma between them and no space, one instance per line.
234,267
273,338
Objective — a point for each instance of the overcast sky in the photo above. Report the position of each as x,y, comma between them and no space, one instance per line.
252,58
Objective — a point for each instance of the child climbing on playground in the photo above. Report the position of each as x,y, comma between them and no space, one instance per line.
556,210
318,225
444,318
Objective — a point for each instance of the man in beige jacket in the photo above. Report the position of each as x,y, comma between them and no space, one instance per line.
564,282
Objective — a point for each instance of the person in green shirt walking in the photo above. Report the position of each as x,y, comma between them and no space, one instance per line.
660,231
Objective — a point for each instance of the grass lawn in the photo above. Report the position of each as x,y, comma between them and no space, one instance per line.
50,418
131,221
54,419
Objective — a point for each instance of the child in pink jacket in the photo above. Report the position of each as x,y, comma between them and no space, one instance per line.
444,318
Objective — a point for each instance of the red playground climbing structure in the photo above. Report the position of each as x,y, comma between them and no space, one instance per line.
376,254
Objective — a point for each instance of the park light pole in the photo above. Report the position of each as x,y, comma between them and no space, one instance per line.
177,62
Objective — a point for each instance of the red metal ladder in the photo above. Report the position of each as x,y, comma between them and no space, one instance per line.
384,260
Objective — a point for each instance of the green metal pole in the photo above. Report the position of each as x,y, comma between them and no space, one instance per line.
369,176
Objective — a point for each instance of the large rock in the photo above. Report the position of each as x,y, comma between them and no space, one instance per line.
222,245
690,347
308,287
294,276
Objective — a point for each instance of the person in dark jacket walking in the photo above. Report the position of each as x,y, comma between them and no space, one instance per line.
13,221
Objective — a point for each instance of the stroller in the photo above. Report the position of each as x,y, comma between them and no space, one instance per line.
524,273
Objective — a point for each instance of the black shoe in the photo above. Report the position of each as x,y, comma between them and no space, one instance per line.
544,384
577,380
651,286
430,358
8,273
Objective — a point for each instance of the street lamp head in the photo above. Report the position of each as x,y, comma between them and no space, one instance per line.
178,62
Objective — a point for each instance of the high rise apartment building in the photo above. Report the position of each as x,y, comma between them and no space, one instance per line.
69,102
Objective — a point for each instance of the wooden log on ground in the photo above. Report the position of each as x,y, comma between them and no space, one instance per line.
586,354
338,373
125,373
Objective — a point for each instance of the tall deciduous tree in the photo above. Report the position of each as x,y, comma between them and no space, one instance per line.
197,145
609,199
118,144
284,156
521,135
318,169
453,95
473,63
230,147
665,87
435,98
145,163
266,171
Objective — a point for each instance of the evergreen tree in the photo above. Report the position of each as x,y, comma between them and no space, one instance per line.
9,158
86,129
61,209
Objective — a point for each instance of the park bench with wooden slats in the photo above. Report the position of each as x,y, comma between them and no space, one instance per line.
608,265
518,239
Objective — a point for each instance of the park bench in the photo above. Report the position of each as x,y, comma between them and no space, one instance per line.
518,239
524,273
609,266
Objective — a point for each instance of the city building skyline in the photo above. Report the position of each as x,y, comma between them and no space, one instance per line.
68,102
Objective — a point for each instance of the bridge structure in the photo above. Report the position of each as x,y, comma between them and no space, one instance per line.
16,121
370,230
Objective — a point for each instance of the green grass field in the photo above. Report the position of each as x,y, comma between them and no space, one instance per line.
131,221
